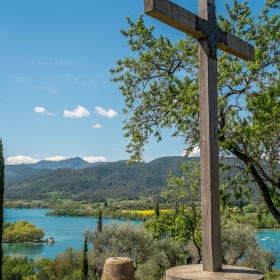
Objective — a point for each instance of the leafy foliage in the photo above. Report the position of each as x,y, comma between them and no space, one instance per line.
239,243
22,231
77,209
17,268
99,223
184,223
85,259
158,96
150,257
241,247
67,265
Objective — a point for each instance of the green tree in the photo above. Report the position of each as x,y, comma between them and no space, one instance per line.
184,223
17,268
239,242
22,231
44,268
67,265
185,191
241,247
157,209
158,96
99,223
2,173
150,257
85,258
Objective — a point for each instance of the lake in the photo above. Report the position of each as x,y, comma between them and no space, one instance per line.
68,232
270,240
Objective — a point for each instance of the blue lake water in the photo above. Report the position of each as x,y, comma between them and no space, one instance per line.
68,232
270,240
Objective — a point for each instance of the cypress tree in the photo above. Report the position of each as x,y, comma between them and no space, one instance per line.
85,259
2,171
105,203
176,208
99,223
157,208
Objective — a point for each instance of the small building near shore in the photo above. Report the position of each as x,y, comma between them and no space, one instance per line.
50,239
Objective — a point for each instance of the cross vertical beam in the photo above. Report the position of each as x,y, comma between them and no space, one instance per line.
209,152
210,37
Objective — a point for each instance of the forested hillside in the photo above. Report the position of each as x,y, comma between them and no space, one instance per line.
98,182
16,172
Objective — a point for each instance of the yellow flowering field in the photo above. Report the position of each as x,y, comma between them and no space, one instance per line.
143,212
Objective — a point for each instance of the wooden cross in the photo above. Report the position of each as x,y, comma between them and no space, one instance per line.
210,37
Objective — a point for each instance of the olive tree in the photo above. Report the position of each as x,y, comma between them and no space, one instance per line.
150,257
241,247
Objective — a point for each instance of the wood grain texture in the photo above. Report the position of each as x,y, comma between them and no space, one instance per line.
210,196
185,21
204,28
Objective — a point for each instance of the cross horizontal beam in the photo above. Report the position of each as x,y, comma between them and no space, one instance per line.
185,21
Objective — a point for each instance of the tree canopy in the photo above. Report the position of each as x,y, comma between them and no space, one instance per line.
160,86
22,231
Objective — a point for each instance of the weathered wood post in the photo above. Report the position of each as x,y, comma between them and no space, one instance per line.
210,37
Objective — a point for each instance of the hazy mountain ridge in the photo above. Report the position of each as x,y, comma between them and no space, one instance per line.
15,172
74,163
20,171
113,179
95,183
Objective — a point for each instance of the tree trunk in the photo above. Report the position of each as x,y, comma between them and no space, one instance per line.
258,179
2,169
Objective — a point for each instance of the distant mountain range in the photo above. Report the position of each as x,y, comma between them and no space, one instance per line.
24,171
79,180
74,163
68,179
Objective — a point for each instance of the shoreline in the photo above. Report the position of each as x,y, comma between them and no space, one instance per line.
268,229
29,242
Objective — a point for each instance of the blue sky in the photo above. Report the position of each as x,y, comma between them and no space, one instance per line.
56,100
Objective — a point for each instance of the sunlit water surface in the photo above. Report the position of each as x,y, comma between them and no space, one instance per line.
68,232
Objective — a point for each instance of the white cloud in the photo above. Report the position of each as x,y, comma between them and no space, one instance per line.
95,159
55,158
42,110
97,126
79,112
194,153
20,160
110,114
